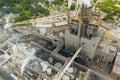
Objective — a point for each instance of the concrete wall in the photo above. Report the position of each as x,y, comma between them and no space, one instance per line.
90,45
104,52
71,41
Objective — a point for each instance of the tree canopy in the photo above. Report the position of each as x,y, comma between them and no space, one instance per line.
110,8
73,6
25,8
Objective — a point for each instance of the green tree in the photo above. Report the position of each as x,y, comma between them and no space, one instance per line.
58,2
47,12
24,15
47,3
73,6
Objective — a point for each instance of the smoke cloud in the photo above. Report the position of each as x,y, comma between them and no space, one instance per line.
86,2
69,3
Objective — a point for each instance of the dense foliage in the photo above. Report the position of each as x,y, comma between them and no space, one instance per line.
25,9
73,6
111,7
58,2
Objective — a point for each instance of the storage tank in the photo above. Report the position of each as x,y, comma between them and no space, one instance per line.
49,71
50,60
5,73
70,70
65,77
58,65
44,66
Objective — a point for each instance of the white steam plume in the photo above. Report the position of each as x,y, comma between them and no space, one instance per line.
69,3
86,2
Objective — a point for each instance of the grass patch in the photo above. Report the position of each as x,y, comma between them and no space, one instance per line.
22,24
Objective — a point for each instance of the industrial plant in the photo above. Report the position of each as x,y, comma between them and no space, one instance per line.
78,46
